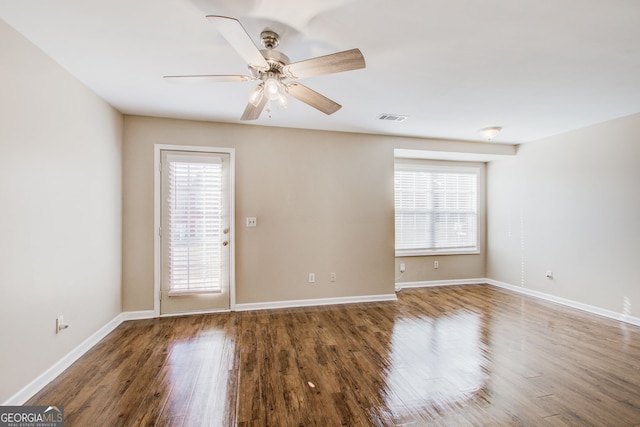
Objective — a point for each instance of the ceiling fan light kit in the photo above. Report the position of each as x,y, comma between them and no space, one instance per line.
257,96
272,67
275,90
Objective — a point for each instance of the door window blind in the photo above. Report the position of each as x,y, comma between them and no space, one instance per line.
195,225
436,209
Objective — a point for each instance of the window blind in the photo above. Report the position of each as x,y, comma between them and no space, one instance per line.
195,225
436,209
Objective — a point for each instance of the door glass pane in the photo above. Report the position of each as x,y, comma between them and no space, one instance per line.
195,225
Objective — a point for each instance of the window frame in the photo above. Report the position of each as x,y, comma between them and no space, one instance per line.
176,241
431,167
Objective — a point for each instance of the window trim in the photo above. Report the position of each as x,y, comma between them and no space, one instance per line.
442,168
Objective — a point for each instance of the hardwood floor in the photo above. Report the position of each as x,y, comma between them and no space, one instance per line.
453,356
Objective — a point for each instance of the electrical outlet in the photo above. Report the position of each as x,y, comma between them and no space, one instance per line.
60,325
549,275
332,277
403,267
252,221
436,264
312,277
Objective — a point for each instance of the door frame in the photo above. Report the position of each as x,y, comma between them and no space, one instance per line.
157,209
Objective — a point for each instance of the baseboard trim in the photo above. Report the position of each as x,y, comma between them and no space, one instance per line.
431,283
567,302
314,302
137,315
530,292
50,374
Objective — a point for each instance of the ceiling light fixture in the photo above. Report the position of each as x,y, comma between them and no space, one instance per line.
491,132
271,88
257,96
274,90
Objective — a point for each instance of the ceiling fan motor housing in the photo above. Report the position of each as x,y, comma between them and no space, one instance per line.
270,40
276,61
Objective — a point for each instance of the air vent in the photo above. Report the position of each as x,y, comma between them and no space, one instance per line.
392,117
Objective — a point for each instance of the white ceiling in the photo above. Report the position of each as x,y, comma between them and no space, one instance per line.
537,68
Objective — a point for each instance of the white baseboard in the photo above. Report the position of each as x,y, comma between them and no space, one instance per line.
426,284
567,302
50,374
137,315
519,289
314,302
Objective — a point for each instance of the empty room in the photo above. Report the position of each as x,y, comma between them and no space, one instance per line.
323,213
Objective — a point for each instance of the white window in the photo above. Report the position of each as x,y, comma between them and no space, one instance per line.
436,209
195,224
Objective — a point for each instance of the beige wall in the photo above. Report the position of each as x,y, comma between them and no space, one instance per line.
451,267
324,202
570,204
60,222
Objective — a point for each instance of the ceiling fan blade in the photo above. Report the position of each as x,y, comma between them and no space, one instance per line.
208,78
256,104
312,98
328,64
233,31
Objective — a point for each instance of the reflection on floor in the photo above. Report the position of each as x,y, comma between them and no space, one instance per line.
435,363
460,355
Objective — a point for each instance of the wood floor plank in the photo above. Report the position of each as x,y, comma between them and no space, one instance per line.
469,355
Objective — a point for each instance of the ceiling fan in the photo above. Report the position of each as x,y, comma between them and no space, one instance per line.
272,68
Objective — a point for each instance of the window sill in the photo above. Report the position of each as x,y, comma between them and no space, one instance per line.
422,252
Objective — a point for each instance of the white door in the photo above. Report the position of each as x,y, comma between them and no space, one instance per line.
195,233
